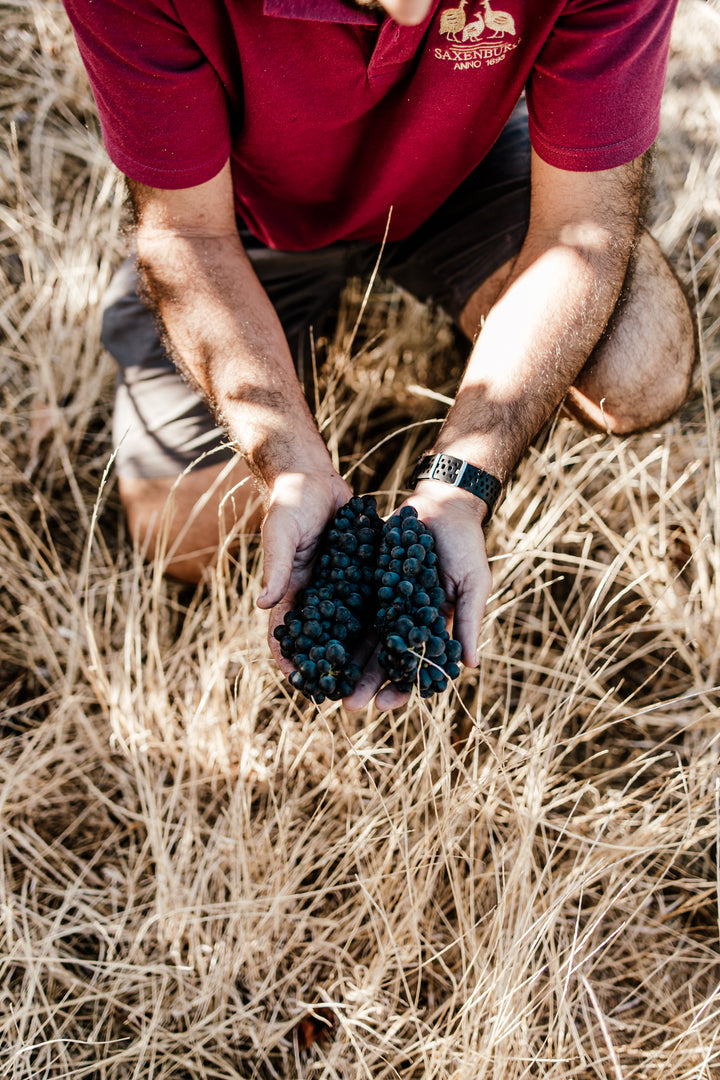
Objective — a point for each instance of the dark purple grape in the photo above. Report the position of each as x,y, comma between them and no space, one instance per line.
424,616
335,653
434,646
453,650
424,680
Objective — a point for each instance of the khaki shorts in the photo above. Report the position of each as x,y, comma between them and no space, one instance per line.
161,426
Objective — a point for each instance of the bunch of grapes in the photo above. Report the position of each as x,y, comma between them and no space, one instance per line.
370,573
415,644
319,634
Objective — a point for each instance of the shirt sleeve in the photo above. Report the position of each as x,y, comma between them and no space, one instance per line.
594,93
162,107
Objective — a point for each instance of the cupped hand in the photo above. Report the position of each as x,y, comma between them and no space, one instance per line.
455,519
299,507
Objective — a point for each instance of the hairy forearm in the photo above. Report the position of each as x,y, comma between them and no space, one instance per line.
535,341
225,336
550,314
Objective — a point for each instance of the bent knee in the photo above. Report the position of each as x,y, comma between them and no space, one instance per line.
641,370
646,408
661,401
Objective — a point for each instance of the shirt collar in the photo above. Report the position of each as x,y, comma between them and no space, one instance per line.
322,11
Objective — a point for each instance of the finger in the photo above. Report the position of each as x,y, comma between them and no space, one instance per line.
467,621
368,685
277,616
365,649
279,540
391,698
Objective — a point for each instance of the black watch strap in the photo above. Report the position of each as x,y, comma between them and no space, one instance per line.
461,474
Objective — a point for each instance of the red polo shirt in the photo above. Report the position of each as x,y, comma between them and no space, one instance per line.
332,115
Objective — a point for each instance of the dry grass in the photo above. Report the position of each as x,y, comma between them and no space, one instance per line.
519,882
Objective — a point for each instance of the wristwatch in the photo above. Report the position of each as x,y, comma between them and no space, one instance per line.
460,474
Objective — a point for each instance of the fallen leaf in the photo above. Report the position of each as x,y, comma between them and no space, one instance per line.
316,1027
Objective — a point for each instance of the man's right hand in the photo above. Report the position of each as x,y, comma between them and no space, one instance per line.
300,506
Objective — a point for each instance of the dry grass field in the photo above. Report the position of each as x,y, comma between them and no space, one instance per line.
204,878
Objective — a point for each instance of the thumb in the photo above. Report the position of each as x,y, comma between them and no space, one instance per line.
467,621
279,541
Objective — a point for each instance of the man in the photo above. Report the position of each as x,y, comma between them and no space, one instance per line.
268,144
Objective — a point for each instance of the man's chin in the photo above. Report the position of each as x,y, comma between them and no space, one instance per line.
365,5
405,12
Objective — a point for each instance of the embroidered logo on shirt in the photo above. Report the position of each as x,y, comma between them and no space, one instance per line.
484,40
